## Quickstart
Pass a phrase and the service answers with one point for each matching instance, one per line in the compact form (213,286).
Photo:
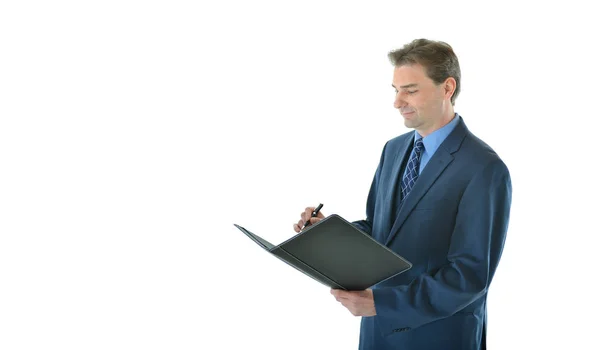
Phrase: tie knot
(419,146)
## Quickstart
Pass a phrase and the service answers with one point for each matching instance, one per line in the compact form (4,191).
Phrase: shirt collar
(433,141)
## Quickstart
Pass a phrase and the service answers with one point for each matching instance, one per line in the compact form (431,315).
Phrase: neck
(437,124)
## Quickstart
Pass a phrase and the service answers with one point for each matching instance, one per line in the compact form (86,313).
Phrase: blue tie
(412,169)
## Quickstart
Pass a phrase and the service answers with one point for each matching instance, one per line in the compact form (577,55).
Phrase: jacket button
(401,329)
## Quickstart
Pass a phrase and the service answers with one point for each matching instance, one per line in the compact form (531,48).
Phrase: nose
(399,102)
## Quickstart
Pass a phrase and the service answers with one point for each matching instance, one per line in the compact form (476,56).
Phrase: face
(423,104)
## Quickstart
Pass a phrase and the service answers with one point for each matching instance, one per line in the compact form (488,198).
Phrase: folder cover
(337,254)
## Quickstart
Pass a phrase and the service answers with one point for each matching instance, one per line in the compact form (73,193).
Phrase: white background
(134,134)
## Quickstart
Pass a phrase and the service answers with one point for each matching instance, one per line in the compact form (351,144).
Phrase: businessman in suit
(440,198)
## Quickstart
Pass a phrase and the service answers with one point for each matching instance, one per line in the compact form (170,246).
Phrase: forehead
(410,74)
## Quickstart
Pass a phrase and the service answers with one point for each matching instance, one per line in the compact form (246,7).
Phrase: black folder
(337,254)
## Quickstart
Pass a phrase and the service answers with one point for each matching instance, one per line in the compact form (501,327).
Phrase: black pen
(314,213)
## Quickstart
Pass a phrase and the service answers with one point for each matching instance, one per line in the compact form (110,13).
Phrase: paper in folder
(338,254)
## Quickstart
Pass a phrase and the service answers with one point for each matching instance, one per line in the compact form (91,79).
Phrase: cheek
(429,104)
(420,104)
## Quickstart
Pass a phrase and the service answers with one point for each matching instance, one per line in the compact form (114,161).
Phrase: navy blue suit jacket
(452,227)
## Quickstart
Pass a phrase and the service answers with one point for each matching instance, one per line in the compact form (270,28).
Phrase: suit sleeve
(475,249)
(367,224)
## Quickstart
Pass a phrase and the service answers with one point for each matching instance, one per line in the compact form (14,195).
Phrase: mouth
(404,114)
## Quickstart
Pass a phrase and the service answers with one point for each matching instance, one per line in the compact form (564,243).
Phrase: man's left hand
(359,303)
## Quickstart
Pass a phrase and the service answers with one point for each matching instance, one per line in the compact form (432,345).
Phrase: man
(440,198)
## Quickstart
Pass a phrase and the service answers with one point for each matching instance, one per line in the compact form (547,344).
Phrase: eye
(412,92)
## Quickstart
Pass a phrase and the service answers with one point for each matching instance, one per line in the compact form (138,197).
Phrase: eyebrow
(406,86)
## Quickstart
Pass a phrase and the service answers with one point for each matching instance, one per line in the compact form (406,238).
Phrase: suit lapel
(432,171)
(401,153)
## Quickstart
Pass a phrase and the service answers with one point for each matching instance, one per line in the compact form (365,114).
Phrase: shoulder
(480,157)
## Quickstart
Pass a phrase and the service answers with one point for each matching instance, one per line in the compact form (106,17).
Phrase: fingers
(341,294)
(347,300)
(301,223)
(344,301)
(348,303)
(307,213)
(298,226)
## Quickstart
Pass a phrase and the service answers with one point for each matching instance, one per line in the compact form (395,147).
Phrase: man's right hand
(305,215)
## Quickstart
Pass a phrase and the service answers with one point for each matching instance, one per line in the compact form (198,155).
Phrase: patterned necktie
(412,169)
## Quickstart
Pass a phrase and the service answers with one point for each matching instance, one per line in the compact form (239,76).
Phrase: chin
(410,123)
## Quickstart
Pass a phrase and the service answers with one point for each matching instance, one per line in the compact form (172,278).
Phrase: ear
(449,87)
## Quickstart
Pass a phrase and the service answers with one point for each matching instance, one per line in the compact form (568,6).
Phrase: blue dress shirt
(433,141)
